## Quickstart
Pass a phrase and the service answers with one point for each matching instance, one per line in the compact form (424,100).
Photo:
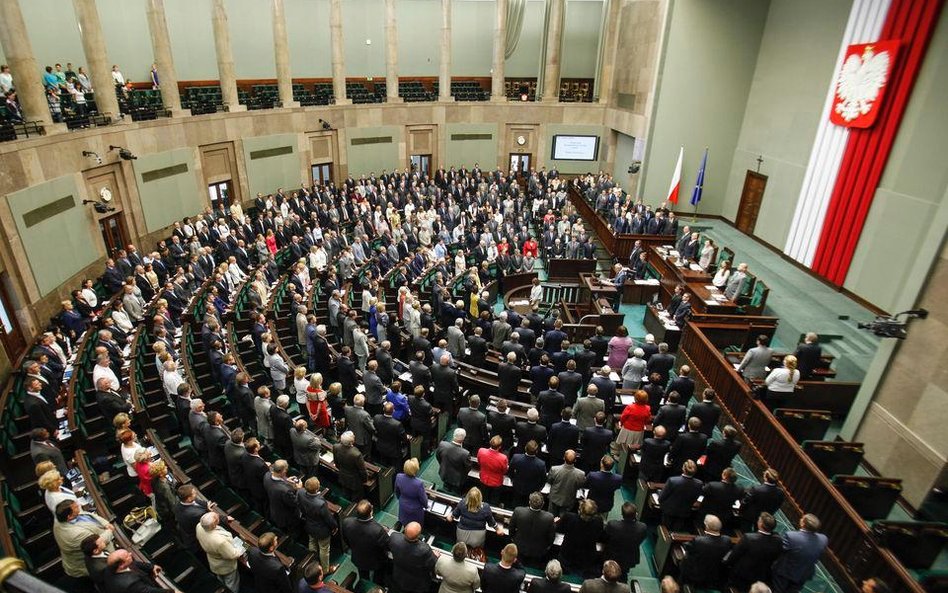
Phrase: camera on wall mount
(93,155)
(102,205)
(635,167)
(325,124)
(124,153)
(893,327)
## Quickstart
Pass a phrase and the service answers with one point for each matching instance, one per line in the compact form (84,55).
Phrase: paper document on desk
(405,377)
(695,267)
(654,498)
(627,400)
(711,287)
(326,456)
(558,539)
(519,303)
(614,376)
(360,388)
(439,508)
(710,302)
(60,413)
(239,546)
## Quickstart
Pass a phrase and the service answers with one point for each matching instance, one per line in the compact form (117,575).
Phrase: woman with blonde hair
(316,403)
(51,483)
(781,382)
(143,469)
(474,516)
(410,491)
(164,496)
(300,384)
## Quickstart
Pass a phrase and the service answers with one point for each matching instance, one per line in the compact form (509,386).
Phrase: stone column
(23,67)
(338,53)
(281,51)
(93,45)
(605,78)
(161,47)
(444,75)
(225,58)
(500,46)
(554,41)
(391,54)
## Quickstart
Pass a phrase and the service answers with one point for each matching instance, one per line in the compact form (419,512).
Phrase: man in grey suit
(756,360)
(359,421)
(306,447)
(735,284)
(71,527)
(500,331)
(533,530)
(457,343)
(301,324)
(801,551)
(565,480)
(42,449)
(454,461)
(374,389)
(608,582)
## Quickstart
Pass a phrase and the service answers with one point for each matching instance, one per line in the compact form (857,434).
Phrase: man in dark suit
(704,556)
(683,384)
(187,515)
(41,412)
(550,403)
(412,560)
(599,344)
(570,383)
(123,574)
(374,389)
(562,435)
(721,453)
(478,347)
(622,539)
(502,424)
(474,423)
(505,576)
(719,498)
(234,452)
(281,494)
(391,437)
(368,543)
(540,375)
(527,472)
(801,551)
(454,461)
(608,582)
(530,430)
(282,423)
(596,440)
(347,373)
(661,363)
(766,497)
(242,397)
(420,373)
(752,558)
(672,415)
(678,496)
(689,446)
(654,449)
(606,387)
(43,449)
(253,469)
(110,402)
(533,530)
(444,379)
(508,377)
(602,486)
(350,465)
(268,572)
(214,439)
(707,411)
(808,355)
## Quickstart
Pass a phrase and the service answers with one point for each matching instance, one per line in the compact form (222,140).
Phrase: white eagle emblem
(859,82)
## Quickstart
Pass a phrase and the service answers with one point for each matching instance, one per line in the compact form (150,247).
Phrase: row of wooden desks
(705,297)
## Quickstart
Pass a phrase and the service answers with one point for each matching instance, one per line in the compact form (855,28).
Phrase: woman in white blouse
(723,273)
(130,446)
(707,253)
(52,483)
(300,383)
(88,294)
(121,318)
(781,382)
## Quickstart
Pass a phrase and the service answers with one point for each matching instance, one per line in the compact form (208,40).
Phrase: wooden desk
(655,325)
(703,299)
(595,289)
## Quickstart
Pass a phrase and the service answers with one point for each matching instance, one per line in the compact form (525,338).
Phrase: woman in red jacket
(530,247)
(633,420)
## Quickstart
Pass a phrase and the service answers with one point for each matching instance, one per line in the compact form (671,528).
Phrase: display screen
(575,148)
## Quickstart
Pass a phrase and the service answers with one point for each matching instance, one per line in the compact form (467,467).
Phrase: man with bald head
(124,574)
(412,559)
(565,480)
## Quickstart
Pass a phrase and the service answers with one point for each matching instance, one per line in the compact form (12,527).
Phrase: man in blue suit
(801,551)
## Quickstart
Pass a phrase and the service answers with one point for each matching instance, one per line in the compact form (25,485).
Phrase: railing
(853,554)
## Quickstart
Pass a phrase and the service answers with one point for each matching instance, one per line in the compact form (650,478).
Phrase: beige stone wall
(638,49)
(33,161)
(904,426)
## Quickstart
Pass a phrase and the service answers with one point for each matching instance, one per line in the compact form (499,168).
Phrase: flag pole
(699,186)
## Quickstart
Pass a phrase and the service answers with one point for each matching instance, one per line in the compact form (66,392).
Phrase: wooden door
(11,336)
(751,197)
(114,233)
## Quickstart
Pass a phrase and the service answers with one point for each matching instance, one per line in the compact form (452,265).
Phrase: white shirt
(171,380)
(118,78)
(100,372)
(128,456)
(6,82)
(780,380)
(91,297)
